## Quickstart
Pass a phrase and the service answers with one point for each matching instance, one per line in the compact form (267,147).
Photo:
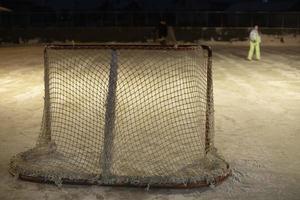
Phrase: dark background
(134,20)
(147,5)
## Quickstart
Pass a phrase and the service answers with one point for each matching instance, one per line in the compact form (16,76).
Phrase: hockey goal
(137,115)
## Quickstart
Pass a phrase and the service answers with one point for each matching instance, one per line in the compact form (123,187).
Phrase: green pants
(254,46)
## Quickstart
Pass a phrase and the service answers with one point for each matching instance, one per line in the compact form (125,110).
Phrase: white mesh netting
(138,115)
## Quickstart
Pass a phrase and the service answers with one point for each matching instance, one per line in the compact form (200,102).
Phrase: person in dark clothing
(162,32)
(162,29)
(165,34)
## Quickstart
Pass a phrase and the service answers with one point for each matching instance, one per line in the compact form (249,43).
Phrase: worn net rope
(125,116)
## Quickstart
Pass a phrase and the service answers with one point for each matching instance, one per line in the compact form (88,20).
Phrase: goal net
(126,115)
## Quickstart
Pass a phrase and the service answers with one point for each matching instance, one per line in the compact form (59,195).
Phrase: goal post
(138,115)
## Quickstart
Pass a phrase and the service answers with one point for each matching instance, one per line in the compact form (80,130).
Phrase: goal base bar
(197,184)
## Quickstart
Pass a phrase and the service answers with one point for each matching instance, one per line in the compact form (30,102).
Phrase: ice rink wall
(130,34)
(121,26)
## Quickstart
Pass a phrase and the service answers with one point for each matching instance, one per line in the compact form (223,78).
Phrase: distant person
(255,41)
(165,34)
(162,32)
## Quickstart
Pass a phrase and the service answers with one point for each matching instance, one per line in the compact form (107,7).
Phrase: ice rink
(257,123)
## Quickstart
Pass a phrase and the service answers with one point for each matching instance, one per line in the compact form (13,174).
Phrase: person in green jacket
(255,41)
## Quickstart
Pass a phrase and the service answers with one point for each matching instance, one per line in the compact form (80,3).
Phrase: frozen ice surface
(257,111)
